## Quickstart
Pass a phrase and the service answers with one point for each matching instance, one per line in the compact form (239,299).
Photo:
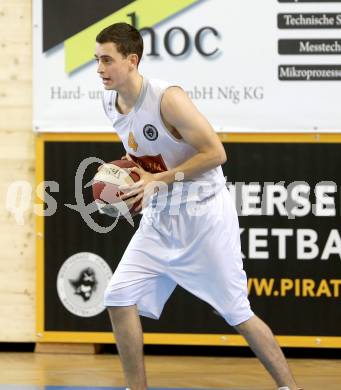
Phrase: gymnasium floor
(13,387)
(33,371)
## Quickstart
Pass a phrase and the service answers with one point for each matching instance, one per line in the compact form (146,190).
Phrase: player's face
(113,67)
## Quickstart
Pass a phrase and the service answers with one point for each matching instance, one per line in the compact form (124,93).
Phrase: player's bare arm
(179,113)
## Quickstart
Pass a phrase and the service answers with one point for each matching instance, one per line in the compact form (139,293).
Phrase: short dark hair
(126,37)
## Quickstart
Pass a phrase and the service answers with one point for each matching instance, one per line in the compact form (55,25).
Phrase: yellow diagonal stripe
(79,49)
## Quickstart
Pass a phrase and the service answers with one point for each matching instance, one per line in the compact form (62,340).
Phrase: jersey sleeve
(107,99)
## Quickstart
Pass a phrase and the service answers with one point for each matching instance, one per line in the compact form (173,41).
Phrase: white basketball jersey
(150,144)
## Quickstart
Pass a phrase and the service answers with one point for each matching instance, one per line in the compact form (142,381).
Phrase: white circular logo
(81,282)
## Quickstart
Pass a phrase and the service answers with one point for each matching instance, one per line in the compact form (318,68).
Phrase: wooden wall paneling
(17,162)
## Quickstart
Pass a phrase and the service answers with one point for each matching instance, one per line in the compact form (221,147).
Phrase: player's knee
(114,296)
(243,326)
(238,313)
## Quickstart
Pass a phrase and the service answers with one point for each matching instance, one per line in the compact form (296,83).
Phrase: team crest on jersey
(150,132)
(132,143)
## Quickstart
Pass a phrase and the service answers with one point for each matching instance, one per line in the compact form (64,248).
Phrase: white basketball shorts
(198,249)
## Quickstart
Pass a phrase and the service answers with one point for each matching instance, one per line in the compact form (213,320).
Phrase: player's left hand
(142,190)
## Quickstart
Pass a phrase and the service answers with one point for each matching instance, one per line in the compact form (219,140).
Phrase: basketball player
(164,133)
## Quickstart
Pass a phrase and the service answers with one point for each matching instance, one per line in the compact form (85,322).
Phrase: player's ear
(134,60)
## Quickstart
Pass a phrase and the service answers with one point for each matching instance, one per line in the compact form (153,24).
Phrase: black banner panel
(288,199)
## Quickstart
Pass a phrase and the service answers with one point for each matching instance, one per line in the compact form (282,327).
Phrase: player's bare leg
(262,341)
(129,338)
